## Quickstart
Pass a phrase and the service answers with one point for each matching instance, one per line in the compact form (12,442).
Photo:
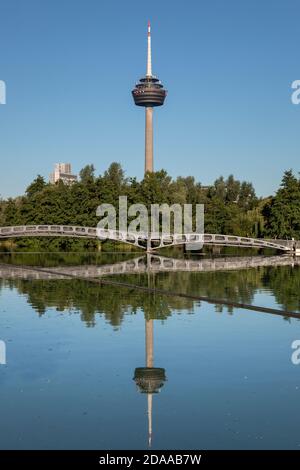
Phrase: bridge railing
(140,239)
(38,230)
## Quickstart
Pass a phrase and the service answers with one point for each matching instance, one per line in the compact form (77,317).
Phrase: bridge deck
(142,240)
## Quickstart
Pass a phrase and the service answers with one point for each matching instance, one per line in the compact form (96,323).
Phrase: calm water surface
(221,378)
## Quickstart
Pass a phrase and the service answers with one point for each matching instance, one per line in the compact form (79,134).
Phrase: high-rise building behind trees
(63,172)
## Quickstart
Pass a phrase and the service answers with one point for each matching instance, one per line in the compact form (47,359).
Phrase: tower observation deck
(149,92)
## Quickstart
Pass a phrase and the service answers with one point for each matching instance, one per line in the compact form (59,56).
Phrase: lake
(91,366)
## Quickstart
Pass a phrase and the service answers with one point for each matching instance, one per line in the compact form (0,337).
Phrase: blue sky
(69,67)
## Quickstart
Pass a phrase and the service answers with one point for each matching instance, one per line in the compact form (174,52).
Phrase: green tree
(87,174)
(36,186)
(283,211)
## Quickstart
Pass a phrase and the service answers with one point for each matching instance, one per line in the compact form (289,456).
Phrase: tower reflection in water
(149,379)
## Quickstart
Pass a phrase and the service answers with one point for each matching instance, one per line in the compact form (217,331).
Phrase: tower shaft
(149,343)
(149,139)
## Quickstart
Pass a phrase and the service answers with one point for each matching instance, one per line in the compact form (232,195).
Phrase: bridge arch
(142,240)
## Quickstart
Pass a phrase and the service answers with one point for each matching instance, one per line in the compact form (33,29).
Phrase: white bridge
(146,241)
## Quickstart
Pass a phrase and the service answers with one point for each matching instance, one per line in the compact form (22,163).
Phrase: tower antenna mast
(149,93)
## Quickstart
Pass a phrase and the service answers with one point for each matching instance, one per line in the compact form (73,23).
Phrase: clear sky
(70,65)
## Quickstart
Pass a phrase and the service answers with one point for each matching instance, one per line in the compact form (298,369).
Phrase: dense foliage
(231,206)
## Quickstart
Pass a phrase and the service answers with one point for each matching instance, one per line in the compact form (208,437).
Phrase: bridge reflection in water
(147,263)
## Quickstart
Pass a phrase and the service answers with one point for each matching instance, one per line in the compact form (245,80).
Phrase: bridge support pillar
(149,248)
(296,247)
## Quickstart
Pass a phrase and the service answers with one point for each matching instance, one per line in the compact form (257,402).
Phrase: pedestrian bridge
(143,240)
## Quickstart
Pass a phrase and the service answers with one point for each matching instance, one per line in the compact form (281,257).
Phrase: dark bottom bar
(133,459)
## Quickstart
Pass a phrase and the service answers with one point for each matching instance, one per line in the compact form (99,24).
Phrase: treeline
(231,206)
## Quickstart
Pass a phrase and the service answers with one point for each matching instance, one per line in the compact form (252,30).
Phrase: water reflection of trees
(285,284)
(42,259)
(89,299)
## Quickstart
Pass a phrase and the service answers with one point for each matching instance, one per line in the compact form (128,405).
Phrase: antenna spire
(149,419)
(149,61)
